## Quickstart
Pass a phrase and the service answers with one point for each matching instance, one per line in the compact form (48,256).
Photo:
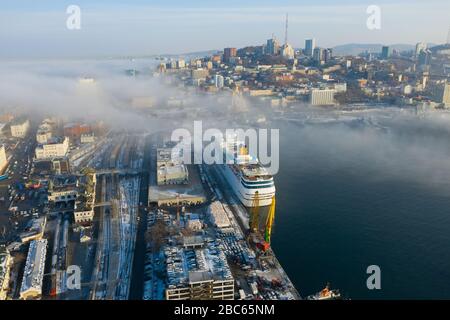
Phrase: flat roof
(185,266)
(34,267)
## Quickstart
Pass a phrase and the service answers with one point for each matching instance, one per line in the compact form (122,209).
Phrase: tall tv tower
(448,36)
(286,31)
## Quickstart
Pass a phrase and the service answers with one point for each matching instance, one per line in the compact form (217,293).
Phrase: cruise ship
(247,177)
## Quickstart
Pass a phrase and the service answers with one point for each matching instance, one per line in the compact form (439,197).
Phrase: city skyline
(153,27)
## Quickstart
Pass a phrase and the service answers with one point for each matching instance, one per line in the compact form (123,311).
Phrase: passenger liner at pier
(246,176)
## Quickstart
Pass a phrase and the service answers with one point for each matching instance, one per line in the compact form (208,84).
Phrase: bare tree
(156,235)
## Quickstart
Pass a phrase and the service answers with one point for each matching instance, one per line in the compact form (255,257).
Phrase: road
(20,152)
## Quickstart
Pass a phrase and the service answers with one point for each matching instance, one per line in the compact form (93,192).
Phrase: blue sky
(31,28)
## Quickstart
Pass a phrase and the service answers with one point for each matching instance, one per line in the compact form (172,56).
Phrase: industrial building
(54,148)
(19,128)
(33,274)
(5,268)
(196,274)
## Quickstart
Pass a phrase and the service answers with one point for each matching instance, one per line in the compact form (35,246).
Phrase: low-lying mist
(54,88)
(394,144)
(402,147)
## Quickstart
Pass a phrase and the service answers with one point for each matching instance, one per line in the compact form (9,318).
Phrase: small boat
(326,294)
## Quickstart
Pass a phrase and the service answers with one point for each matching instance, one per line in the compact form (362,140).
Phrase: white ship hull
(266,190)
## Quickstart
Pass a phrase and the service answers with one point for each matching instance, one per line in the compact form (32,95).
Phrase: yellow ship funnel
(243,151)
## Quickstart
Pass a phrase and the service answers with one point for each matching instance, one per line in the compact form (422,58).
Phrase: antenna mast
(448,36)
(286,31)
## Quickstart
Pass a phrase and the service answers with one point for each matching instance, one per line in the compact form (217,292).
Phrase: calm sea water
(348,198)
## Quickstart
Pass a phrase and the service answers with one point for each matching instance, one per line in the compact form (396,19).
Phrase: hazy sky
(35,29)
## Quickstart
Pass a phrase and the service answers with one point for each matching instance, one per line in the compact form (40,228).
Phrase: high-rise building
(385,52)
(287,51)
(181,64)
(318,54)
(310,45)
(327,54)
(421,46)
(441,92)
(272,47)
(228,53)
(424,58)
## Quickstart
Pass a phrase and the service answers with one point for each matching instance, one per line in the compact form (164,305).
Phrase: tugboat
(326,294)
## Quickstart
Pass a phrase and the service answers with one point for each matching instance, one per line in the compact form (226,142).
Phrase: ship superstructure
(246,175)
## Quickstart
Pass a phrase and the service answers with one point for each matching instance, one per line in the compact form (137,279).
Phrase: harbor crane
(254,213)
(269,221)
(255,217)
